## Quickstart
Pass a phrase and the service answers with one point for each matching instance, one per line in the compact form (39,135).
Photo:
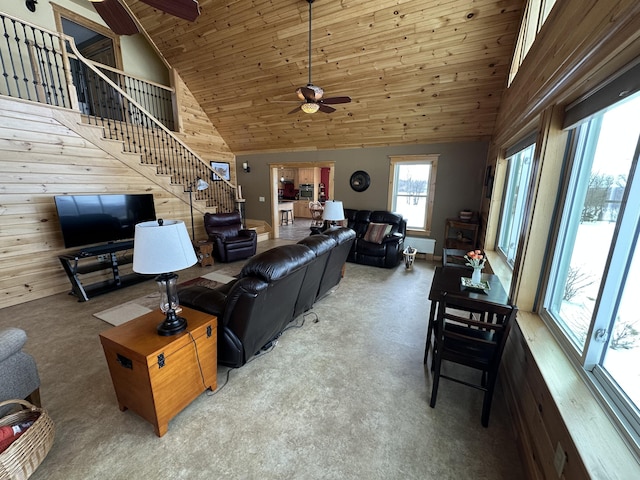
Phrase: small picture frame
(222,169)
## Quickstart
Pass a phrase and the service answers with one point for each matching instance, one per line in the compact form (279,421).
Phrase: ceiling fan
(311,95)
(118,17)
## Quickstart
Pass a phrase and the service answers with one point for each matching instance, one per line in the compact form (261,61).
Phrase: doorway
(94,41)
(306,173)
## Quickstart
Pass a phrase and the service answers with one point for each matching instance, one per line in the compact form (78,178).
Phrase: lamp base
(172,324)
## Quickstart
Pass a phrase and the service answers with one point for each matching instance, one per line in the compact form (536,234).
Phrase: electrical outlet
(261,199)
(559,459)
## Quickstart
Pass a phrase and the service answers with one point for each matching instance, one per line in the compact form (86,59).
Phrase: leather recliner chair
(387,253)
(231,242)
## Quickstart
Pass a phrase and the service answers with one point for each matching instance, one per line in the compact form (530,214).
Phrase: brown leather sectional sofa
(272,289)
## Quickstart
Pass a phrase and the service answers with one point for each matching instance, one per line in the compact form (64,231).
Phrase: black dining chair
(451,257)
(476,341)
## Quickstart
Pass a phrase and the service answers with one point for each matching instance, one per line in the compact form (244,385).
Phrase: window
(413,189)
(535,14)
(595,267)
(519,168)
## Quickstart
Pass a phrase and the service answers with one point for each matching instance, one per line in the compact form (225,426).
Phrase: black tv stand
(85,261)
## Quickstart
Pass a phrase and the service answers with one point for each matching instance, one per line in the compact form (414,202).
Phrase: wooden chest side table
(156,376)
(204,252)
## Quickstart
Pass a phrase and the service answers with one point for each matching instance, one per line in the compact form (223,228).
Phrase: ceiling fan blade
(326,108)
(297,109)
(308,94)
(116,17)
(336,100)
(186,9)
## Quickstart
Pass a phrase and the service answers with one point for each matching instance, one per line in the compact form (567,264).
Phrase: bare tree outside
(597,199)
(577,280)
(625,335)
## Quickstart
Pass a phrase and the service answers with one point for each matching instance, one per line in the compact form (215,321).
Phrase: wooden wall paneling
(417,72)
(42,153)
(562,59)
(541,426)
(542,402)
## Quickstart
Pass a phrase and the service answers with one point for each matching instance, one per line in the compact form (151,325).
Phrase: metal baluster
(5,74)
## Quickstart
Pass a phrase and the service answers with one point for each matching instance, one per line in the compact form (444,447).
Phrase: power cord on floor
(263,351)
(211,393)
(195,345)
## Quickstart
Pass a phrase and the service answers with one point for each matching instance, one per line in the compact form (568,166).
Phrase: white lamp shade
(201,185)
(333,211)
(162,249)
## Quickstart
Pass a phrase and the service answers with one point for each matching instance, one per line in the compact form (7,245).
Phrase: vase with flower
(475,259)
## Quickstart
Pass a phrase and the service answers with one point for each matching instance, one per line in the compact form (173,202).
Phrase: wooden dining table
(448,280)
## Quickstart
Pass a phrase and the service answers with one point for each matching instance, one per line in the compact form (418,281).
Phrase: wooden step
(261,227)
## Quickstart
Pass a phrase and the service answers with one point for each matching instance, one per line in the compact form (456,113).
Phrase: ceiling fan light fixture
(309,107)
(317,92)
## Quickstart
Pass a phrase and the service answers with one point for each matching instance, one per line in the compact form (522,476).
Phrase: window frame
(534,16)
(527,183)
(590,359)
(426,159)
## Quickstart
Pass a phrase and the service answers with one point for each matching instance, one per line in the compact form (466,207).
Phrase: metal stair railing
(157,99)
(126,120)
(37,67)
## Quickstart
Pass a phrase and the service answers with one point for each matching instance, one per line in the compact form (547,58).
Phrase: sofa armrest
(11,342)
(393,238)
(247,232)
(205,299)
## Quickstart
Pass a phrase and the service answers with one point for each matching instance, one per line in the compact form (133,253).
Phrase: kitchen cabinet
(301,209)
(288,174)
(307,175)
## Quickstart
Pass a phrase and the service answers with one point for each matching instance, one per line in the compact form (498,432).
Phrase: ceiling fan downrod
(310,2)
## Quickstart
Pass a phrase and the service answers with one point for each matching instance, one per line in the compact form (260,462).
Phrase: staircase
(36,67)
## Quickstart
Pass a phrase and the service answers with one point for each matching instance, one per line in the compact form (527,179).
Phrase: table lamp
(160,247)
(333,212)
(199,185)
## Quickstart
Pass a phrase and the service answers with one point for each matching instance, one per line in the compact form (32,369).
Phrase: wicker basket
(24,455)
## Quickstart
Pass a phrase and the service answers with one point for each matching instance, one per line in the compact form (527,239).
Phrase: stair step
(263,230)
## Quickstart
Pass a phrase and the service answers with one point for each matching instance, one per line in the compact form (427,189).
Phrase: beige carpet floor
(344,396)
(124,312)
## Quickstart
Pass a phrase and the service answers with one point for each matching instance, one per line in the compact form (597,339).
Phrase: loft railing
(155,98)
(35,66)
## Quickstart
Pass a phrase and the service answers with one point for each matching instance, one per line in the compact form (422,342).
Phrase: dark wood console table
(87,261)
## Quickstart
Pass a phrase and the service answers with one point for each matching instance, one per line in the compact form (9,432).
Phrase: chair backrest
(225,224)
(358,220)
(321,246)
(262,302)
(316,209)
(344,238)
(476,339)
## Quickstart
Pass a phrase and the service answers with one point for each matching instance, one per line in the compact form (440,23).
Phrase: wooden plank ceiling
(418,71)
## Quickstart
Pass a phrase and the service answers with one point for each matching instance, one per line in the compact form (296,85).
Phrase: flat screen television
(90,219)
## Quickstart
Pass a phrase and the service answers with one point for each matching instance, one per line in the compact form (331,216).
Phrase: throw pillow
(376,232)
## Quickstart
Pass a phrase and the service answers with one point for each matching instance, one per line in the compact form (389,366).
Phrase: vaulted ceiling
(418,71)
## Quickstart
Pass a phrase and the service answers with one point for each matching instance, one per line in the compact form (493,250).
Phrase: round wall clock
(360,181)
